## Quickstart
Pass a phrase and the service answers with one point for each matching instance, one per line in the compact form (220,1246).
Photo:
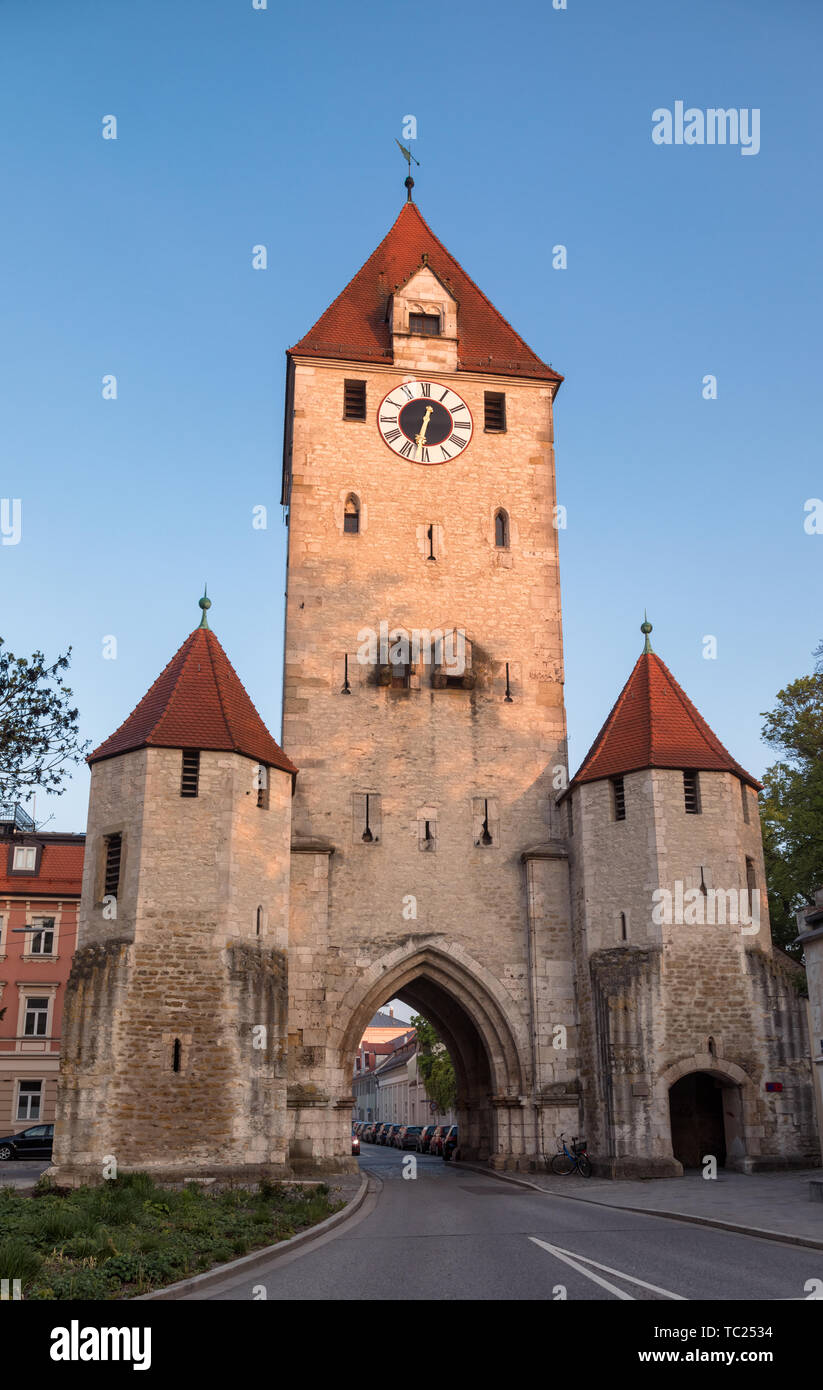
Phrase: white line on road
(569,1258)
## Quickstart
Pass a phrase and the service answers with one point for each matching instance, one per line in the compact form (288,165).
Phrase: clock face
(425,421)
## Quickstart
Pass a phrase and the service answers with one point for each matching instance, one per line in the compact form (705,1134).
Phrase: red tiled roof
(61,869)
(654,724)
(355,327)
(198,701)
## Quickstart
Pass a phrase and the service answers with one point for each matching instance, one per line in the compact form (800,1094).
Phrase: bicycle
(566,1160)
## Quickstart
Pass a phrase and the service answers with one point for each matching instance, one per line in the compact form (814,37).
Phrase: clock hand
(421,437)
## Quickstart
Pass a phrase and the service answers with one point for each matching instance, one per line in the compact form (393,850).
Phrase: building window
(570,814)
(366,818)
(501,529)
(259,920)
(29,1098)
(744,794)
(351,515)
(175,1055)
(427,324)
(751,881)
(190,774)
(495,403)
(354,400)
(691,793)
(42,940)
(35,1021)
(262,779)
(111,874)
(25,859)
(427,833)
(624,930)
(618,799)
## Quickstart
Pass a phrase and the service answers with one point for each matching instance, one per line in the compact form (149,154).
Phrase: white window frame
(29,1096)
(46,1033)
(27,851)
(40,933)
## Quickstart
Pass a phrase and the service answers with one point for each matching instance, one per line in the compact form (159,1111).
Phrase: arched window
(501,529)
(259,920)
(351,515)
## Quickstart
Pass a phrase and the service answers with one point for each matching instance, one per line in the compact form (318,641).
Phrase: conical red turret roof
(198,701)
(355,327)
(654,724)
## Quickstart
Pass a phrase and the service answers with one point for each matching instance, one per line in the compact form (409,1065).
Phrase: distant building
(40,879)
(389,1088)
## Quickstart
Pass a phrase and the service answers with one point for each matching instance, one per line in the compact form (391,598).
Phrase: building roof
(654,724)
(355,326)
(60,870)
(198,701)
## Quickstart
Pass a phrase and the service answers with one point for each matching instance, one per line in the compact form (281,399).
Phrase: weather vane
(408,156)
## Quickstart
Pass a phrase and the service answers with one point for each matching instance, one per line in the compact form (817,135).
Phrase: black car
(35,1142)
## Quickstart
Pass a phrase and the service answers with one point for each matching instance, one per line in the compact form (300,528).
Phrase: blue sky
(238,127)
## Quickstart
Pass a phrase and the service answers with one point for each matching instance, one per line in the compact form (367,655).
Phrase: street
(452,1233)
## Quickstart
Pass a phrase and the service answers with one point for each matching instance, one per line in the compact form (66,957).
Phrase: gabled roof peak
(354,327)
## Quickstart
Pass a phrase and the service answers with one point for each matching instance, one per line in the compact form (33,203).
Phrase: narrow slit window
(618,798)
(570,813)
(351,516)
(751,881)
(354,400)
(501,529)
(495,411)
(624,932)
(691,793)
(190,774)
(175,1055)
(259,920)
(263,787)
(744,796)
(427,324)
(111,873)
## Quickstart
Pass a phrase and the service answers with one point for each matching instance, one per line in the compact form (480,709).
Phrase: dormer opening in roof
(423,322)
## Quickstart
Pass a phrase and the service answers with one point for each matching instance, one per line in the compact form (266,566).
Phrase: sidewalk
(773,1204)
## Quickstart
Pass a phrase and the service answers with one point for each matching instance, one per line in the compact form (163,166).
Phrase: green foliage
(38,725)
(791,809)
(436,1066)
(129,1236)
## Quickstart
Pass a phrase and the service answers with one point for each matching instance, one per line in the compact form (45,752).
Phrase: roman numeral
(391,435)
(425,389)
(456,408)
(396,404)
(425,453)
(444,451)
(407,391)
(455,439)
(445,394)
(462,425)
(406,450)
(389,419)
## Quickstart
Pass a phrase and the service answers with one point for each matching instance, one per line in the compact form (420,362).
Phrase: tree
(38,725)
(435,1065)
(791,809)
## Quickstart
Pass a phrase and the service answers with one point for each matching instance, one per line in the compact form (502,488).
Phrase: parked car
(355,1144)
(450,1143)
(391,1140)
(35,1142)
(408,1136)
(436,1144)
(383,1133)
(424,1138)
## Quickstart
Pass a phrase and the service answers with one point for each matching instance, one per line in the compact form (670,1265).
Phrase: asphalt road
(21,1173)
(449,1233)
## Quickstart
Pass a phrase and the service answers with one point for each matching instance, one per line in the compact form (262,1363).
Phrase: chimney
(391,1011)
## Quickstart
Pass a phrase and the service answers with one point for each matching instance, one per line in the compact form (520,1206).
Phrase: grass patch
(129,1236)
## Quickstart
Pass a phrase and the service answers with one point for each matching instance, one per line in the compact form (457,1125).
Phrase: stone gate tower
(173,1054)
(423,702)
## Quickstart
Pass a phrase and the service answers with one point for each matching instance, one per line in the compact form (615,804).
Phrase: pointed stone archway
(478,1024)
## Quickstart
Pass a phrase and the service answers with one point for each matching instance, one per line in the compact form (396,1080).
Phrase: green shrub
(19,1259)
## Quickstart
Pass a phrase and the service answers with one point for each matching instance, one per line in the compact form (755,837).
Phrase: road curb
(247,1263)
(807,1242)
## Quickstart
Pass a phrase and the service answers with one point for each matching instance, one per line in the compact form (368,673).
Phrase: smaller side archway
(710,1107)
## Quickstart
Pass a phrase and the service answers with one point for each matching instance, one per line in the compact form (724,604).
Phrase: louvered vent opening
(190,775)
(619,798)
(114,849)
(691,794)
(495,411)
(263,787)
(354,400)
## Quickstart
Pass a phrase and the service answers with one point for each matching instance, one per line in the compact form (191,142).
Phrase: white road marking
(569,1258)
